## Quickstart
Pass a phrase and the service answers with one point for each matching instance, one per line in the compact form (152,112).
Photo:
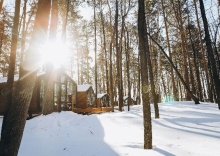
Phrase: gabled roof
(125,97)
(83,88)
(99,96)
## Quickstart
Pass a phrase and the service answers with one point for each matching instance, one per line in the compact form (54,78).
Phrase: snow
(184,129)
(101,95)
(83,88)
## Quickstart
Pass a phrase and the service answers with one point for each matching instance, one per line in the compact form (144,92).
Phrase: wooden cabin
(67,85)
(85,101)
(115,101)
(85,96)
(136,100)
(3,93)
(125,100)
(68,93)
(103,100)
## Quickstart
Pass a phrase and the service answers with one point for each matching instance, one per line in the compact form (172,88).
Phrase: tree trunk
(110,62)
(197,70)
(14,123)
(210,53)
(23,38)
(12,59)
(47,106)
(95,49)
(151,76)
(170,54)
(142,30)
(1,3)
(106,59)
(128,69)
(119,72)
(204,62)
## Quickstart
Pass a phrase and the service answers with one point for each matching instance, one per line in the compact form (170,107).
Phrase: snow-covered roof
(101,95)
(125,97)
(83,88)
(4,79)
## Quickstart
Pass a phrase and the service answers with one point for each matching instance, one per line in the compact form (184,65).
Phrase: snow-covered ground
(184,129)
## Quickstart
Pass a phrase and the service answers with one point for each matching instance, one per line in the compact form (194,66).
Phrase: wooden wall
(81,100)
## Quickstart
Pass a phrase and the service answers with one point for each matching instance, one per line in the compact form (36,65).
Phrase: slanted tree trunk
(210,54)
(195,99)
(143,43)
(14,123)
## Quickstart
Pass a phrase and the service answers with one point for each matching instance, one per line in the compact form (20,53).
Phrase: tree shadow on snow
(161,151)
(65,136)
(190,129)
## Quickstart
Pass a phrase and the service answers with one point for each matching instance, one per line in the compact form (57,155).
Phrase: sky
(184,129)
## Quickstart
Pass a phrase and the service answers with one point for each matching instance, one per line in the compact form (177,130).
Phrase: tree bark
(106,59)
(1,3)
(128,68)
(95,49)
(110,62)
(119,72)
(142,30)
(23,39)
(12,60)
(47,104)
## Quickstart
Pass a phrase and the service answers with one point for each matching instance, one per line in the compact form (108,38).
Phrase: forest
(166,50)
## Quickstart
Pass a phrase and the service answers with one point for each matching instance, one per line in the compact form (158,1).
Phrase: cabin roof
(99,96)
(83,88)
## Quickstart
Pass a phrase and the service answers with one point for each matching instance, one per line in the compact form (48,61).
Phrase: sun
(55,53)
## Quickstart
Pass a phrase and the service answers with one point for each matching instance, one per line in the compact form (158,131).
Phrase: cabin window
(63,93)
(69,88)
(55,92)
(41,91)
(63,79)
